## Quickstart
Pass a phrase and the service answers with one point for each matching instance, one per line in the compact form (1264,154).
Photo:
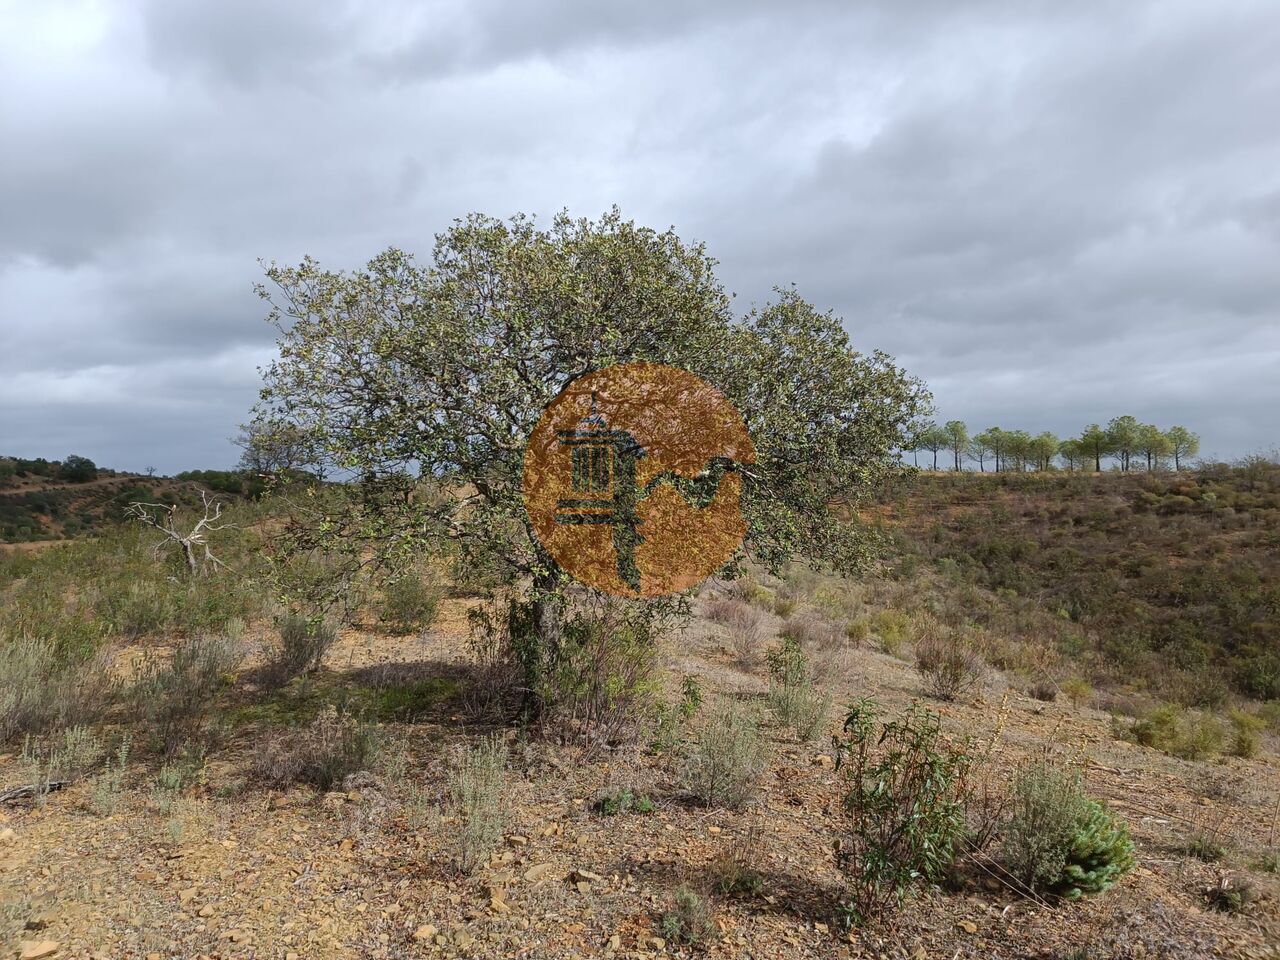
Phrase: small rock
(516,840)
(7,837)
(36,949)
(537,872)
(968,926)
(206,910)
(713,830)
(425,932)
(614,943)
(657,943)
(465,940)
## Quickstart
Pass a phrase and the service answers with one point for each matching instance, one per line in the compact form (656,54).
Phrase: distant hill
(55,500)
(1168,580)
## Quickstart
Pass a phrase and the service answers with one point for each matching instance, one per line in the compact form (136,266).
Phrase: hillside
(38,503)
(215,797)
(1165,582)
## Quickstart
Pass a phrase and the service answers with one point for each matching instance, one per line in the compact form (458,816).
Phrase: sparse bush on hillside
(176,697)
(409,604)
(477,803)
(907,790)
(322,754)
(724,767)
(949,667)
(62,760)
(892,630)
(603,679)
(1058,839)
(42,687)
(303,644)
(811,630)
(1181,733)
(745,625)
(688,920)
(793,694)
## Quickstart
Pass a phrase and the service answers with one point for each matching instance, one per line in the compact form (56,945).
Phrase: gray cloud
(1052,212)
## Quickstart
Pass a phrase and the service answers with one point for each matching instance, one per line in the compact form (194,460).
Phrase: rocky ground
(228,869)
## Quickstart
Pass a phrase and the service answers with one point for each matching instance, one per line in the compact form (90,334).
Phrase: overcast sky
(1052,212)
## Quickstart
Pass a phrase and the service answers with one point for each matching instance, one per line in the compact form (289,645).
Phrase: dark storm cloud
(1052,212)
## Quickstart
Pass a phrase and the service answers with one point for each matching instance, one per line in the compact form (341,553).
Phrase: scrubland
(1044,725)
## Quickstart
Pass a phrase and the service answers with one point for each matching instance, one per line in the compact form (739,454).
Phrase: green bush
(724,768)
(623,801)
(688,920)
(905,806)
(603,680)
(1060,840)
(409,604)
(1185,734)
(793,696)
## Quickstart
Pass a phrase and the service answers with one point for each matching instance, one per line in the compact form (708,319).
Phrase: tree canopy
(418,384)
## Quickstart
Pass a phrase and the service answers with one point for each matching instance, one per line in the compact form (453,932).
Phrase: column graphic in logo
(633,479)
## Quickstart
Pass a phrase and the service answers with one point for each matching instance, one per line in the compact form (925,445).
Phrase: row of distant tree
(1124,440)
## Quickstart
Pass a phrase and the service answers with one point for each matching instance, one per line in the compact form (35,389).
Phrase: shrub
(409,604)
(784,606)
(63,760)
(1245,730)
(477,803)
(1205,845)
(323,754)
(42,686)
(809,629)
(603,678)
(303,644)
(950,669)
(1188,735)
(1060,840)
(734,873)
(176,698)
(892,628)
(905,803)
(108,786)
(623,801)
(1231,894)
(1043,690)
(792,693)
(857,631)
(1077,690)
(745,625)
(725,766)
(689,919)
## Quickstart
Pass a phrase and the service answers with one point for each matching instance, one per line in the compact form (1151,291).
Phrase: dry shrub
(745,624)
(810,630)
(689,919)
(42,687)
(323,754)
(176,697)
(303,644)
(725,766)
(477,803)
(949,667)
